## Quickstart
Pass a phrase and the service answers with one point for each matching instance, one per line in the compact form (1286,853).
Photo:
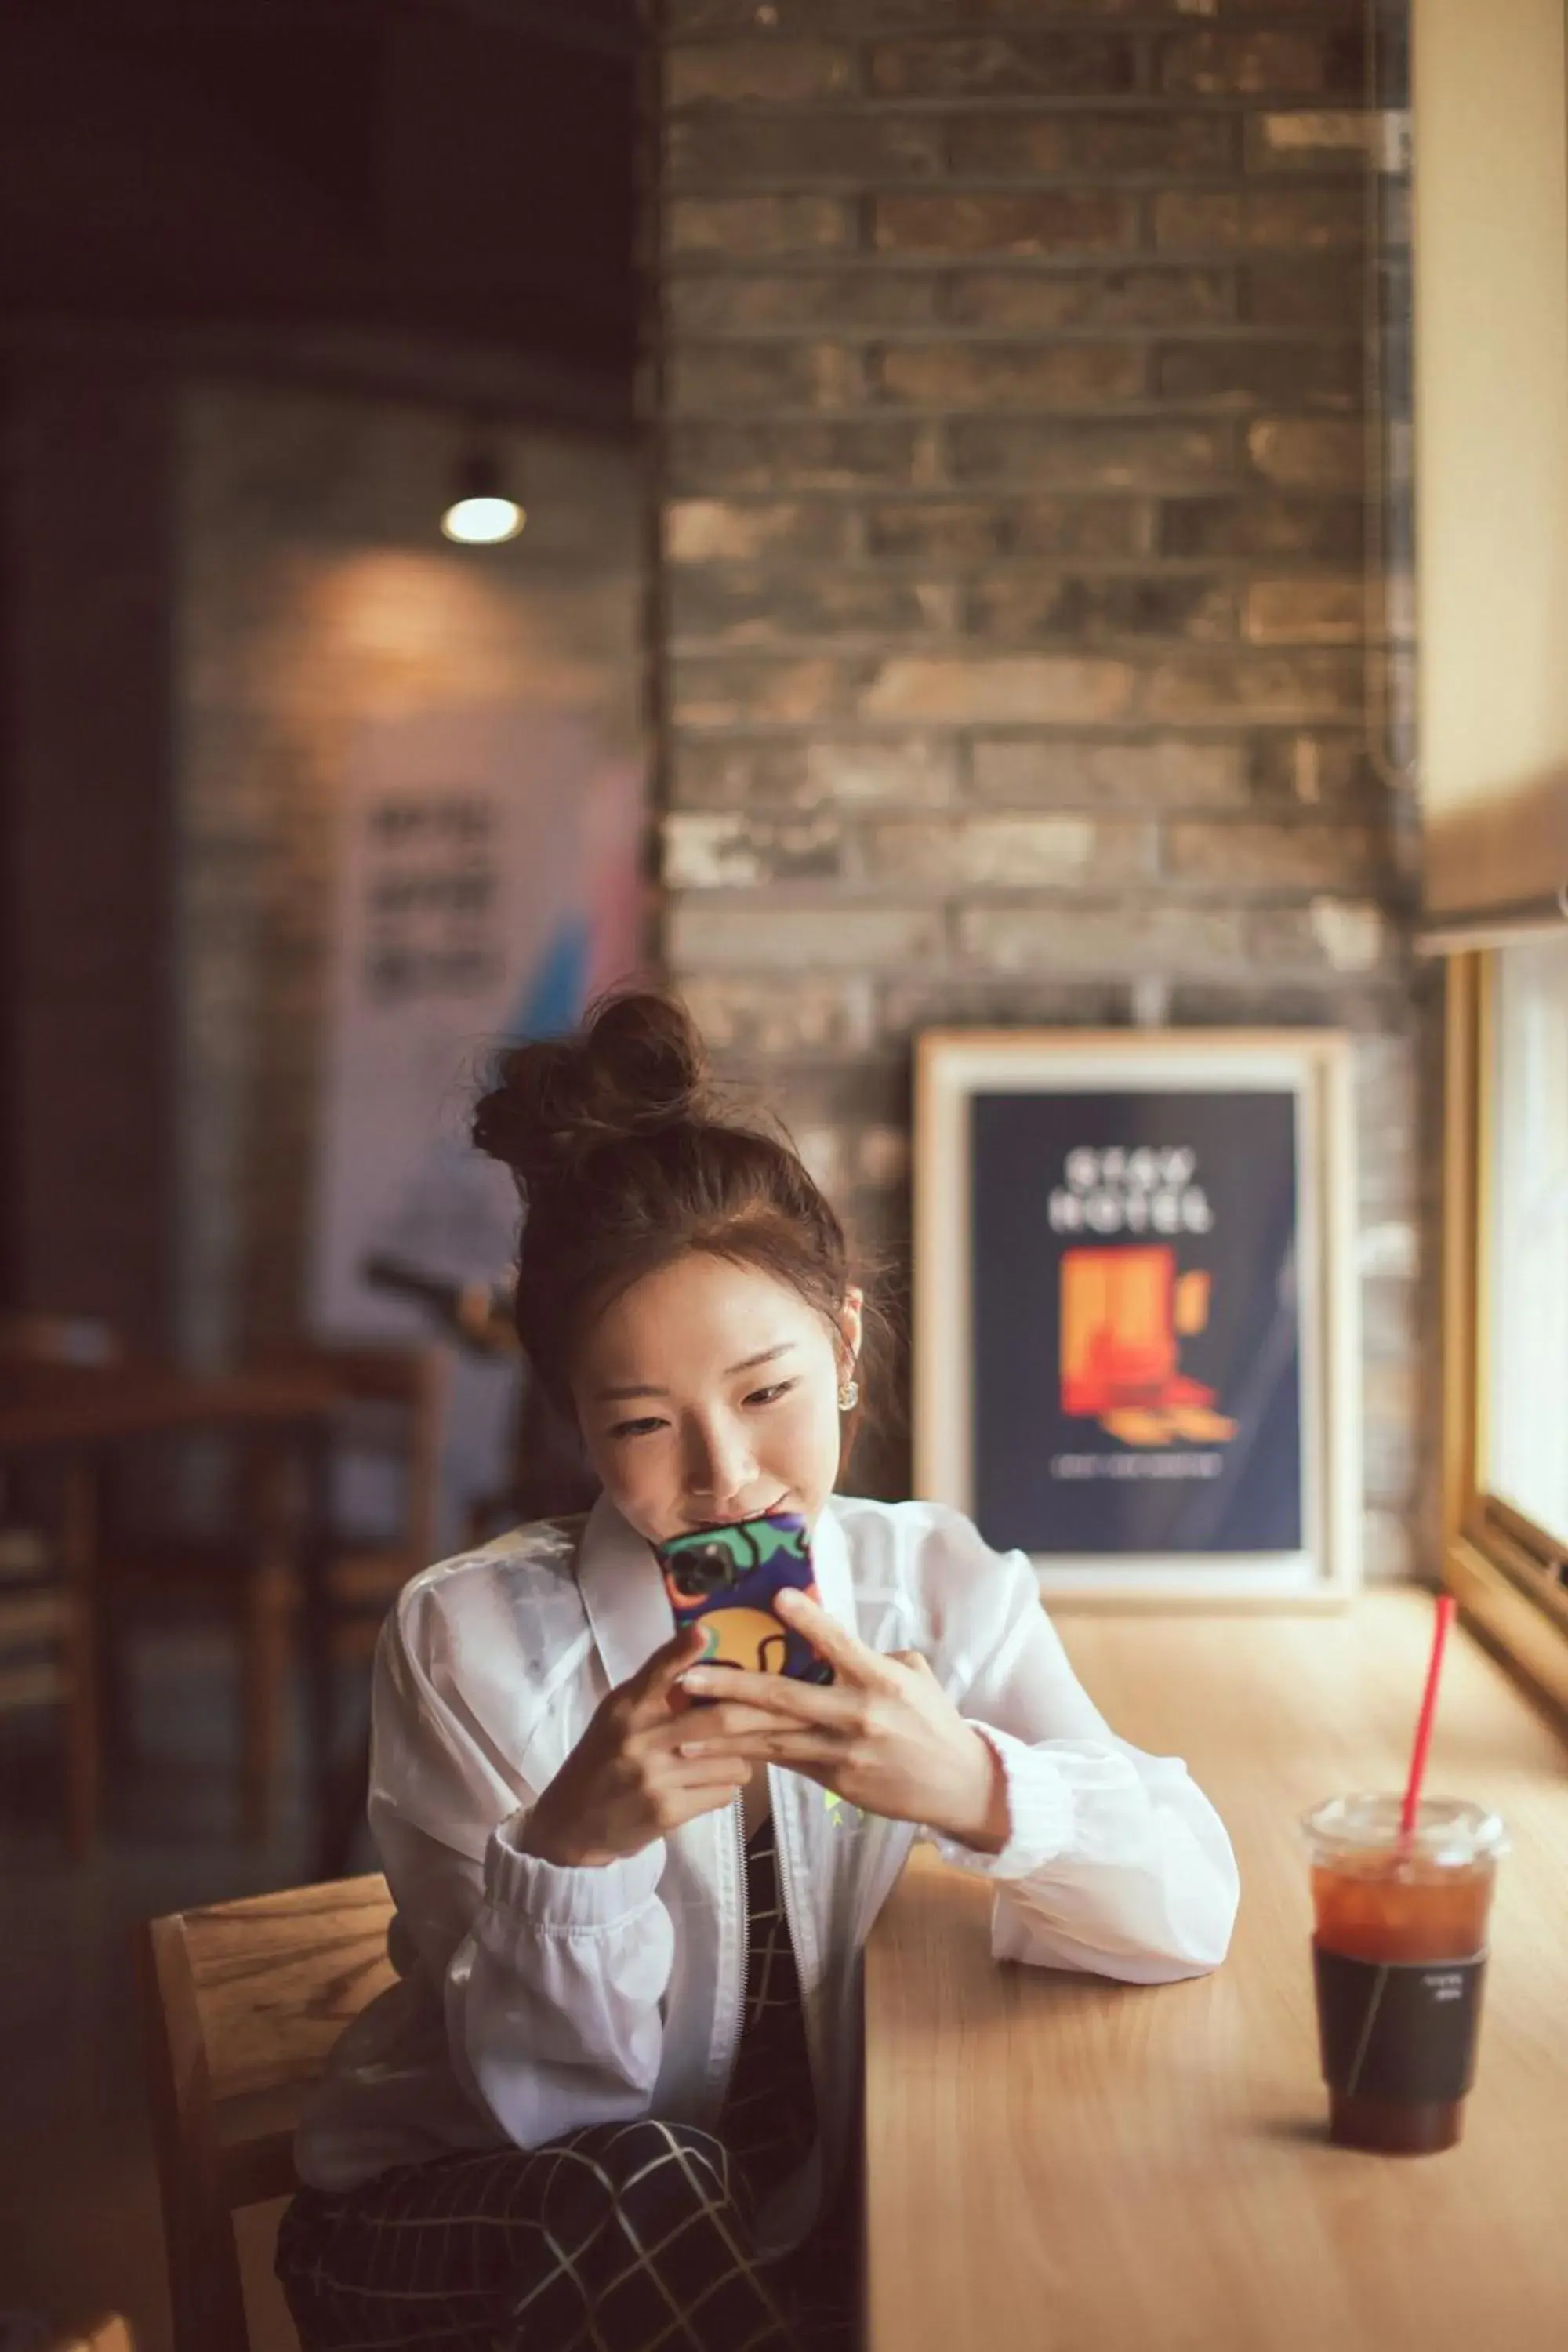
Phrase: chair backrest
(393,1400)
(242,2002)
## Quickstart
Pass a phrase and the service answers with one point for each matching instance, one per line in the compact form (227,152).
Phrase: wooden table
(81,1417)
(1065,2165)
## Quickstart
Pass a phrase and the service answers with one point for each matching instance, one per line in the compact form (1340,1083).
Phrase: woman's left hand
(883,1735)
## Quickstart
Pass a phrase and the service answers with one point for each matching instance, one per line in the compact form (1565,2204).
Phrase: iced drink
(1399,1954)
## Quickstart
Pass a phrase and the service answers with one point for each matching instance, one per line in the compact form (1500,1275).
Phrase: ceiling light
(483,511)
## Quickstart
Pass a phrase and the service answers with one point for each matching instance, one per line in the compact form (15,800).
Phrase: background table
(1074,2166)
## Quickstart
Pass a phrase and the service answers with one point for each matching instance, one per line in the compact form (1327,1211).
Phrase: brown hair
(623,1160)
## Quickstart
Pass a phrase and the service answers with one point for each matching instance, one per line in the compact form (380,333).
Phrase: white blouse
(535,1997)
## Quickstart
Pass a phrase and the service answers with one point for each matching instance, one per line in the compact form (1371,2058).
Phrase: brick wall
(313,594)
(1014,623)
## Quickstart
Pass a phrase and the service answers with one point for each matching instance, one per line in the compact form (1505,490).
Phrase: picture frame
(1136,1339)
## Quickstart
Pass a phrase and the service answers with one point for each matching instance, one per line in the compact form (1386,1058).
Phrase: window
(1505,1306)
(1525,1456)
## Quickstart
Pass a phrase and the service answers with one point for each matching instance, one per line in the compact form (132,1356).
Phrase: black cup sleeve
(1401,2030)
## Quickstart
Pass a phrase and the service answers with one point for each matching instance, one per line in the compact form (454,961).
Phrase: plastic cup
(1399,1954)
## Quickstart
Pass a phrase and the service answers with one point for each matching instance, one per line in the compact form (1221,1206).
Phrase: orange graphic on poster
(1123,1312)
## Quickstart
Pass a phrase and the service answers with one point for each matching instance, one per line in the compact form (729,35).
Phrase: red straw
(1429,1709)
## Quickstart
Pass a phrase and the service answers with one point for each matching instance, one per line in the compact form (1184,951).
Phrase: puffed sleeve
(550,1979)
(1115,1863)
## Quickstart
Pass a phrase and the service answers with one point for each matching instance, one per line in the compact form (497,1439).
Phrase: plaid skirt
(629,2237)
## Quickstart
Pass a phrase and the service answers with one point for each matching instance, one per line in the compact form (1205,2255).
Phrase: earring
(849,1395)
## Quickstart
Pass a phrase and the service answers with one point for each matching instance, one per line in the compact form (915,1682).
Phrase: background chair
(47,1631)
(241,2004)
(383,1479)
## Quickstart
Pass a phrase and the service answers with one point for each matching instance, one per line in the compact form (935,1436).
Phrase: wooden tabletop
(1065,2165)
(69,1407)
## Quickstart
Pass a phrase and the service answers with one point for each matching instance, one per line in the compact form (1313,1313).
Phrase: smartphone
(724,1579)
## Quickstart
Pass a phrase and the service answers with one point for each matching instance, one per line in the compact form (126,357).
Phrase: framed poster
(1136,1354)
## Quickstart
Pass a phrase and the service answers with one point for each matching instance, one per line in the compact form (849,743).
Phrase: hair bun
(637,1066)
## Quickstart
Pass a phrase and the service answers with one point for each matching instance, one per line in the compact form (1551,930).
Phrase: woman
(611,2102)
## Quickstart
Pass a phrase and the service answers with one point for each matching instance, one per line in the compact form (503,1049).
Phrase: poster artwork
(489,885)
(1137,1341)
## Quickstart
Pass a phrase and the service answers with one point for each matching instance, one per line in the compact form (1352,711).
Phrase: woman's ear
(851,1322)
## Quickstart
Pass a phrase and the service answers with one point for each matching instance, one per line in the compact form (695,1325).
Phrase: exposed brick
(1046,300)
(777,72)
(1095,717)
(1002,853)
(709,458)
(1309,770)
(1334,935)
(709,531)
(730,151)
(769,771)
(1388,1548)
(716,851)
(1271,856)
(750,772)
(1169,772)
(1263,523)
(965,999)
(1295,63)
(734,303)
(765,610)
(1264,686)
(1084,937)
(784,17)
(963,531)
(719,226)
(702,936)
(998,144)
(1241,373)
(908,770)
(1306,289)
(1289,219)
(1310,452)
(1036,221)
(1301,219)
(1157,455)
(1088,609)
(1025,687)
(743,1020)
(1310,611)
(1314,142)
(1008,375)
(1200,219)
(1056,65)
(1309,999)
(705,378)
(731,692)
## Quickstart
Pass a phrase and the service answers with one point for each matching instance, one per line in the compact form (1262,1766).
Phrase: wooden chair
(47,1527)
(391,1402)
(241,2004)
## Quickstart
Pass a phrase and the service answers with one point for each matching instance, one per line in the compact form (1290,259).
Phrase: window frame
(1505,1570)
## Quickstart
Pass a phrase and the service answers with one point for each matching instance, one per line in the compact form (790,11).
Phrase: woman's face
(709,1391)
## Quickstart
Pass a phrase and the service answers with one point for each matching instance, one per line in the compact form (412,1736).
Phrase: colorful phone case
(724,1579)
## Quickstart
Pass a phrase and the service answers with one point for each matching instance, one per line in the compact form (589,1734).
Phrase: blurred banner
(488,886)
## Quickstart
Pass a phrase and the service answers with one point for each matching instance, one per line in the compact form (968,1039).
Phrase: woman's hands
(630,1779)
(884,1735)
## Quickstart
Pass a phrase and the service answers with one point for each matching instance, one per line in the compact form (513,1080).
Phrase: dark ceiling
(455,176)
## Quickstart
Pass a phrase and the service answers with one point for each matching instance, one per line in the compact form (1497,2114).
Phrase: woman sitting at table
(612,2101)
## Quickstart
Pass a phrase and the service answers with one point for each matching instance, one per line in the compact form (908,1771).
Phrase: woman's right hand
(624,1784)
